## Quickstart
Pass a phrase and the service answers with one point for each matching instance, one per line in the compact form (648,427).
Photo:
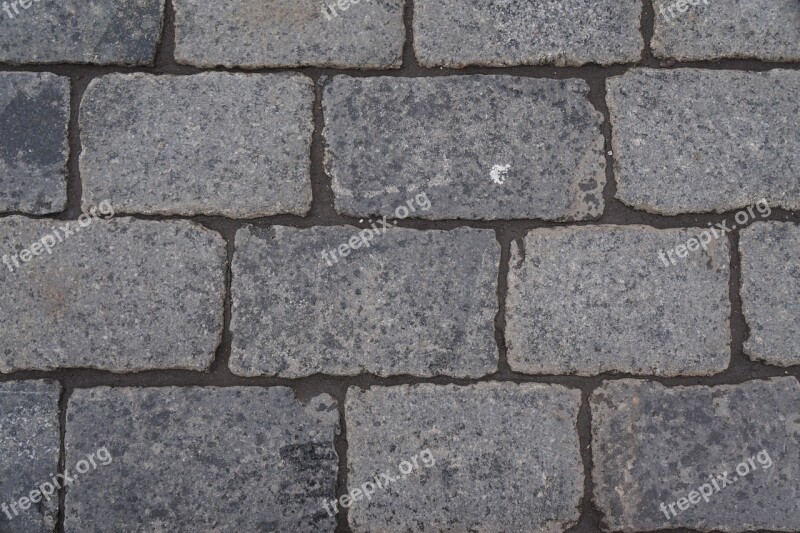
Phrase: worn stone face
(120,295)
(489,457)
(411,302)
(652,445)
(289,33)
(236,145)
(607,298)
(29,447)
(201,459)
(481,147)
(723,141)
(34,111)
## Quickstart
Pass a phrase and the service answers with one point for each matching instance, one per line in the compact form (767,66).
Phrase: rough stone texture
(507,457)
(456,33)
(723,141)
(420,303)
(202,459)
(34,110)
(29,446)
(289,33)
(653,445)
(771,291)
(101,32)
(120,295)
(596,299)
(766,30)
(237,145)
(390,138)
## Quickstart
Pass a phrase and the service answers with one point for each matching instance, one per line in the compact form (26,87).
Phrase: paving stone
(34,111)
(695,30)
(654,445)
(202,459)
(693,140)
(290,33)
(456,33)
(596,299)
(771,291)
(497,457)
(121,295)
(236,145)
(414,302)
(482,147)
(29,440)
(123,32)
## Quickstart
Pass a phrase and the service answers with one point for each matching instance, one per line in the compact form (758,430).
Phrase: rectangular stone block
(399,301)
(34,111)
(588,300)
(122,295)
(724,458)
(290,33)
(485,457)
(201,459)
(236,145)
(690,141)
(482,147)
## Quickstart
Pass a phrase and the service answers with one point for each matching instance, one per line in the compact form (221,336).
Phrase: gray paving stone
(482,147)
(652,445)
(596,299)
(34,111)
(771,291)
(123,32)
(236,145)
(497,457)
(695,30)
(121,295)
(413,302)
(202,459)
(456,33)
(289,33)
(693,140)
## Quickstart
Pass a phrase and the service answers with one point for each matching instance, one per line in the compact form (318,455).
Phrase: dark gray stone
(202,459)
(482,147)
(652,445)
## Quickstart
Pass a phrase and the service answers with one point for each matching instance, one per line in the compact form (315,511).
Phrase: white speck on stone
(499,173)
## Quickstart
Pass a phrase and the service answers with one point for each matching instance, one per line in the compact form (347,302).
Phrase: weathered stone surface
(769,31)
(120,295)
(596,299)
(654,445)
(507,457)
(693,140)
(289,33)
(237,145)
(202,459)
(123,32)
(29,446)
(414,302)
(482,147)
(34,111)
(456,33)
(771,291)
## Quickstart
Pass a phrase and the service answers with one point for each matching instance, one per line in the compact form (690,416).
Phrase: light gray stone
(481,147)
(652,445)
(690,141)
(237,145)
(289,33)
(120,295)
(596,299)
(497,457)
(413,302)
(201,459)
(34,111)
